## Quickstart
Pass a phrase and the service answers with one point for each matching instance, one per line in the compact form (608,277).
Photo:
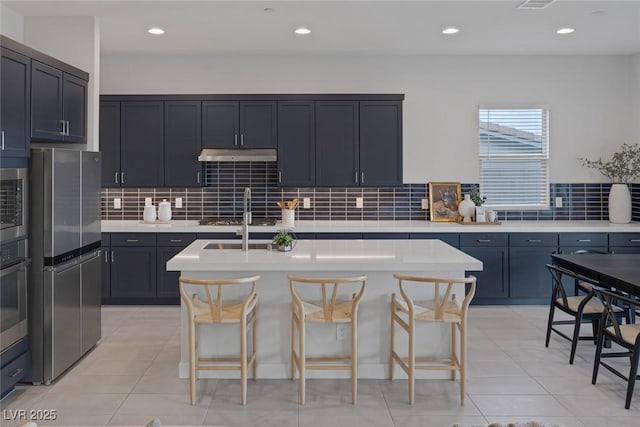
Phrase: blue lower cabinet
(493,281)
(529,277)
(167,285)
(15,363)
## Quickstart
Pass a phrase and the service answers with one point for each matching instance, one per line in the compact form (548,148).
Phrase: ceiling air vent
(535,4)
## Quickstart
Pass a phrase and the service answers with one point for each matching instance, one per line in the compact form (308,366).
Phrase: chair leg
(633,372)
(243,360)
(463,361)
(549,324)
(598,356)
(354,361)
(392,340)
(453,350)
(302,360)
(254,342)
(412,361)
(192,362)
(576,337)
(293,343)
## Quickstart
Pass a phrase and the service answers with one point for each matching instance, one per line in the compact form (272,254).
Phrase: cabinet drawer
(338,236)
(15,371)
(386,236)
(484,239)
(624,239)
(533,239)
(218,236)
(175,239)
(106,239)
(583,239)
(133,239)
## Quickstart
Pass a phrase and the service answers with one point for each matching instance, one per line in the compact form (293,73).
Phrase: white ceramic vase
(467,208)
(164,211)
(620,204)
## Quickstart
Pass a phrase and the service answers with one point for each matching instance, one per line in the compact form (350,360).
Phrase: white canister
(288,217)
(164,211)
(480,214)
(149,214)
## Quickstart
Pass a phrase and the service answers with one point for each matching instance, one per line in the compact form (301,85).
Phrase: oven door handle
(21,266)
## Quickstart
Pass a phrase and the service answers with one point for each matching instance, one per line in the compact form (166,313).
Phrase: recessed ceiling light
(302,30)
(566,30)
(450,30)
(155,31)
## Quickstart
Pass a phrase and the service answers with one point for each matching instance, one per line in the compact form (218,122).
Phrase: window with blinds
(514,157)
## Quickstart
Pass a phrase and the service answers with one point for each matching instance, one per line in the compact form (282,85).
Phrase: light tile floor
(131,377)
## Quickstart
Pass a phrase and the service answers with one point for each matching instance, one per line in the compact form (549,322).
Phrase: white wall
(588,96)
(635,85)
(76,41)
(11,24)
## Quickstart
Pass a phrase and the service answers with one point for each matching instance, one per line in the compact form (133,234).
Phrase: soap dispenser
(164,211)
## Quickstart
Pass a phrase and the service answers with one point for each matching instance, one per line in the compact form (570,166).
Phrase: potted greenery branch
(478,199)
(284,240)
(623,168)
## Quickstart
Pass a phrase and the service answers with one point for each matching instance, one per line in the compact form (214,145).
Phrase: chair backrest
(559,291)
(611,301)
(440,285)
(216,303)
(329,292)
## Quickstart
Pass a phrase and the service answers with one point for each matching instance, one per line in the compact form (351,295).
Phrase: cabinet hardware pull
(361,177)
(122,177)
(242,139)
(67,127)
(279,176)
(62,122)
(116,177)
(106,257)
(176,240)
(584,240)
(634,240)
(534,240)
(235,139)
(483,240)
(2,140)
(198,177)
(356,177)
(132,240)
(15,373)
(113,258)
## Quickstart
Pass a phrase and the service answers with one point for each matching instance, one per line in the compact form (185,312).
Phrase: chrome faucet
(246,219)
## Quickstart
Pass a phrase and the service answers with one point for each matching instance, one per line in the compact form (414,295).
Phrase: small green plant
(283,238)
(623,167)
(474,194)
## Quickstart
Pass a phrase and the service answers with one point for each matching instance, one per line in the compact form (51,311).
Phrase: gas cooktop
(236,221)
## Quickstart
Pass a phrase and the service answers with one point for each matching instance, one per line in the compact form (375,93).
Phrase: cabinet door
(15,101)
(528,276)
(492,280)
(46,102)
(296,144)
(106,271)
(74,108)
(258,124)
(141,144)
(220,124)
(337,143)
(133,272)
(182,141)
(110,143)
(168,286)
(380,143)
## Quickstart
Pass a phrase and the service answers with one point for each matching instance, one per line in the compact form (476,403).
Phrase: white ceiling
(352,27)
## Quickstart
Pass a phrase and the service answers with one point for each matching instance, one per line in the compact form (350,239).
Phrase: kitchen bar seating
(583,308)
(627,336)
(442,307)
(328,308)
(213,309)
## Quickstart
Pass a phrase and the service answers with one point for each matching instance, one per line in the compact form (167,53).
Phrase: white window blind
(514,157)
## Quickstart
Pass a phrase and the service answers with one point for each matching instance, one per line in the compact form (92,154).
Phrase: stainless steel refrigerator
(65,281)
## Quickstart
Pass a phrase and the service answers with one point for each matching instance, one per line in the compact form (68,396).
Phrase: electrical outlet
(558,202)
(306,202)
(178,202)
(341,331)
(359,202)
(147,201)
(117,203)
(424,204)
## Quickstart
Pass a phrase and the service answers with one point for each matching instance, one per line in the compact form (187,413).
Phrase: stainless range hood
(238,155)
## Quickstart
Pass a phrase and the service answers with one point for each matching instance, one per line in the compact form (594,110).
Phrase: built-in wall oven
(13,292)
(13,199)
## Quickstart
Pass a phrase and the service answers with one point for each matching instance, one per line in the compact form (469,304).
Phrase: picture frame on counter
(444,198)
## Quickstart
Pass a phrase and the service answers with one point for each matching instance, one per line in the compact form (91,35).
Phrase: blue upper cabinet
(58,105)
(239,124)
(110,143)
(15,100)
(182,143)
(296,143)
(141,144)
(337,144)
(381,143)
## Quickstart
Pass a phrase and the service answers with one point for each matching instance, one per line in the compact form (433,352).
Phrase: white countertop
(191,226)
(328,255)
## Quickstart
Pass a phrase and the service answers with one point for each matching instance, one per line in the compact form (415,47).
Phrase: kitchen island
(377,259)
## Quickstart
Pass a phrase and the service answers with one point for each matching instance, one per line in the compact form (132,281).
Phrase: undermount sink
(265,246)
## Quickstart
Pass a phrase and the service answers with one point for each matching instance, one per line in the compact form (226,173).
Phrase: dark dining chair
(583,308)
(625,335)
